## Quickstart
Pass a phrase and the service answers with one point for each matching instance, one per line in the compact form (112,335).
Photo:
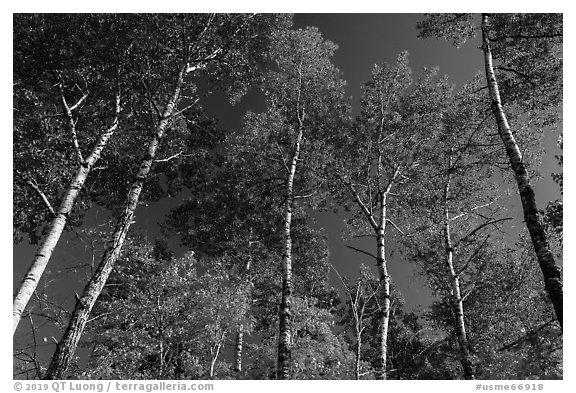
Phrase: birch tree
(528,74)
(363,305)
(182,46)
(381,157)
(65,114)
(302,94)
(461,207)
(166,318)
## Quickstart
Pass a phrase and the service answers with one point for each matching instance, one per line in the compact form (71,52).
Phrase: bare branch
(395,227)
(362,251)
(479,228)
(199,64)
(369,216)
(71,122)
(184,109)
(472,256)
(305,196)
(471,210)
(520,74)
(282,155)
(32,183)
(364,235)
(526,336)
(173,157)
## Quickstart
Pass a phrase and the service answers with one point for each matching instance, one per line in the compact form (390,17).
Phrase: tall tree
(457,203)
(304,103)
(227,48)
(528,50)
(67,88)
(381,156)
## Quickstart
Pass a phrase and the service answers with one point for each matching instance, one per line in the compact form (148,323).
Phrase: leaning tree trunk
(384,313)
(459,326)
(551,272)
(67,345)
(284,340)
(42,257)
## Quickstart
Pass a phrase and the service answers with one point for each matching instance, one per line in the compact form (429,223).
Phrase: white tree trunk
(457,304)
(67,345)
(42,256)
(284,352)
(550,271)
(384,313)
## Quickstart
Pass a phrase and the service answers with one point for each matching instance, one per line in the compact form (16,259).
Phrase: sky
(363,40)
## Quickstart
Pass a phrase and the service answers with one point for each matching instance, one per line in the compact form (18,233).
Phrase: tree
(200,42)
(380,158)
(165,318)
(457,205)
(527,47)
(60,108)
(362,303)
(304,96)
(519,336)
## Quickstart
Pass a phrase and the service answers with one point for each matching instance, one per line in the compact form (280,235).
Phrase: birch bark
(67,345)
(284,353)
(42,256)
(457,303)
(384,314)
(550,271)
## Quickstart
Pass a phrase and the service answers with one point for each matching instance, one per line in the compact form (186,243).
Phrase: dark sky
(363,40)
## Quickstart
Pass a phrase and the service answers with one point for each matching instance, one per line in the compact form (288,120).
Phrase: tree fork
(42,256)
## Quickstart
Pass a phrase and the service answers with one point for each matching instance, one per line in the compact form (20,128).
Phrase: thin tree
(527,48)
(381,158)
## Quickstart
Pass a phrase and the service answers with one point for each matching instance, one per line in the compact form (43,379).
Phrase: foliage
(165,318)
(432,152)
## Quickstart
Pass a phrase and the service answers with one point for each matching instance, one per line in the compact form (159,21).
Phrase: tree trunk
(551,272)
(284,351)
(215,356)
(238,351)
(358,354)
(384,314)
(42,257)
(459,326)
(67,345)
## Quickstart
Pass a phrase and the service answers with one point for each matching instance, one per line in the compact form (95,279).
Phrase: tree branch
(34,186)
(282,155)
(362,251)
(183,109)
(525,337)
(369,216)
(472,256)
(520,74)
(71,121)
(305,196)
(471,210)
(172,157)
(395,227)
(479,228)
